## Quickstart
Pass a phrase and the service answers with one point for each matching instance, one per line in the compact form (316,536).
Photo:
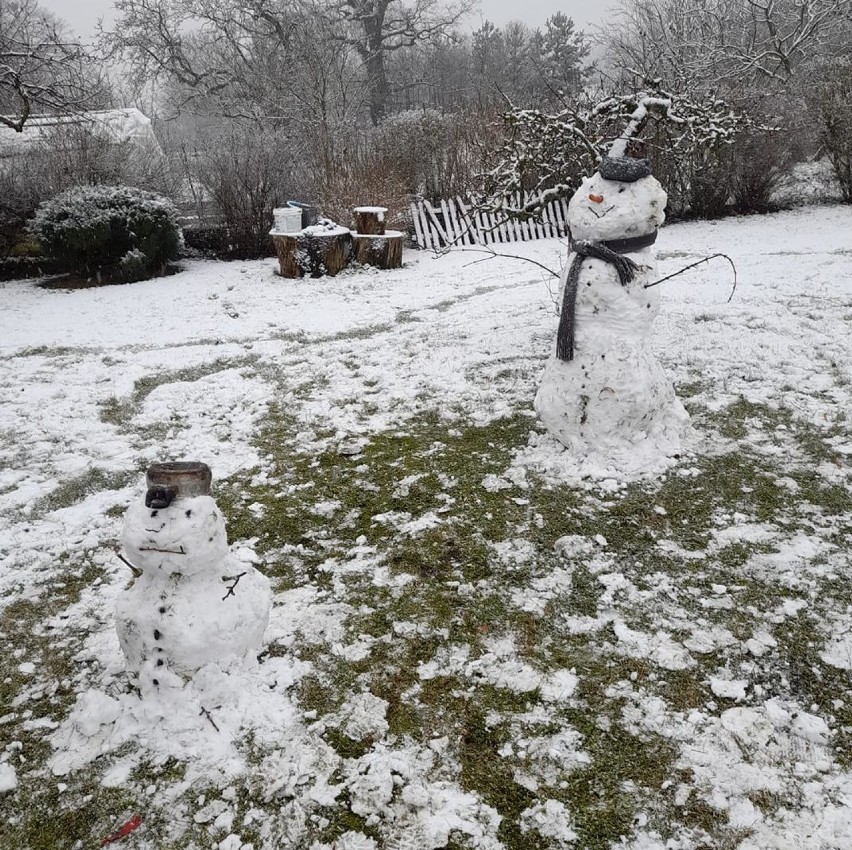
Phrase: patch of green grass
(317,694)
(50,351)
(483,770)
(397,471)
(145,773)
(342,819)
(344,746)
(687,389)
(812,681)
(632,524)
(49,820)
(778,424)
(364,332)
(832,499)
(603,808)
(36,815)
(78,488)
(119,411)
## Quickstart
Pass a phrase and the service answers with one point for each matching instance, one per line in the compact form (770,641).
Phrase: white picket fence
(456,222)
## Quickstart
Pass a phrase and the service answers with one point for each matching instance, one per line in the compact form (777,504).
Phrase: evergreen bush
(115,229)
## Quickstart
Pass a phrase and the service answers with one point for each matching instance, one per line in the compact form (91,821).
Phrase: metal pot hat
(625,169)
(174,480)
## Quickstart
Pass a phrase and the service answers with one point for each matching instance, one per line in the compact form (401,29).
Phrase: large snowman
(603,392)
(193,604)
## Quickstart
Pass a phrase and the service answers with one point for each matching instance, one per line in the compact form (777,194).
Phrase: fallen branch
(692,266)
(206,713)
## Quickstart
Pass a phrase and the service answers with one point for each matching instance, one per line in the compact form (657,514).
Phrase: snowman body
(194,604)
(613,395)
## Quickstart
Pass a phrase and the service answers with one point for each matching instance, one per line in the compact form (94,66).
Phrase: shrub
(133,266)
(758,160)
(16,268)
(91,229)
(831,105)
(55,159)
(245,168)
(206,240)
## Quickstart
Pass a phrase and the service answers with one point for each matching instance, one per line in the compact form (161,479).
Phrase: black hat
(625,169)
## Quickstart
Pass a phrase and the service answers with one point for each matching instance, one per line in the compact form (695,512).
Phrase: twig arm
(692,266)
(492,253)
(135,570)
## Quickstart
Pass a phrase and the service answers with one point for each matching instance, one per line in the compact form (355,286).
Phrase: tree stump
(370,220)
(383,251)
(287,248)
(314,251)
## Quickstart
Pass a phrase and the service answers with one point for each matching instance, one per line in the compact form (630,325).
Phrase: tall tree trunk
(377,83)
(374,58)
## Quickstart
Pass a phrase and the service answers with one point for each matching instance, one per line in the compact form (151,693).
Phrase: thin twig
(206,713)
(135,570)
(236,580)
(692,266)
(494,253)
(163,551)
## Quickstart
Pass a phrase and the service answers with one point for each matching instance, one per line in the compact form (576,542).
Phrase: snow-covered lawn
(476,641)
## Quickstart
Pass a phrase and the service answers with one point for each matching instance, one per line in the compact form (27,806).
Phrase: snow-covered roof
(118,125)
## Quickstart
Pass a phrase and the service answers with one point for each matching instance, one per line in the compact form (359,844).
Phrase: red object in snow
(126,829)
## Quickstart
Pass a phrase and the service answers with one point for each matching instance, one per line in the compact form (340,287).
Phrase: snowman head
(176,528)
(186,538)
(619,201)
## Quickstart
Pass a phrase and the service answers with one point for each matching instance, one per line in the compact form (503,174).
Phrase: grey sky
(82,15)
(535,12)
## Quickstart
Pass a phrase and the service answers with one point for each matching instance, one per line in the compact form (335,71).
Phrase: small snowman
(603,393)
(193,604)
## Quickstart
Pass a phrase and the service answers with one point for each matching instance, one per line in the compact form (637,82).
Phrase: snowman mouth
(601,214)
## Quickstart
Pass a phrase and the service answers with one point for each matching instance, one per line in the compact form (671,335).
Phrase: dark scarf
(609,251)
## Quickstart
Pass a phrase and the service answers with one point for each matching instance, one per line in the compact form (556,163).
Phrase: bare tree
(274,63)
(378,28)
(212,53)
(41,68)
(830,104)
(736,43)
(259,59)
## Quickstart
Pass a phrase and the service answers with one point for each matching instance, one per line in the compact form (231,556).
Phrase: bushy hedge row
(16,268)
(129,233)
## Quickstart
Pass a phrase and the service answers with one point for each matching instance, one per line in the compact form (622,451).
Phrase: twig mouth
(597,214)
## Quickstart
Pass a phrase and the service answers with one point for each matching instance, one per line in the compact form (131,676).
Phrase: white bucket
(287,219)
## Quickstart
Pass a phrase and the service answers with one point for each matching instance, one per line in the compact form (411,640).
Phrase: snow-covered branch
(41,69)
(548,154)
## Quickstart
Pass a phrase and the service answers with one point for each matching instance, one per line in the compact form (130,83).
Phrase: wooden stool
(369,220)
(383,251)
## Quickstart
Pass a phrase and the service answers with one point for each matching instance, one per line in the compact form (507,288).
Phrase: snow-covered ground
(476,639)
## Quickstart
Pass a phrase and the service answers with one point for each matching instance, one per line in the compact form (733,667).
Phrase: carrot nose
(596,199)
